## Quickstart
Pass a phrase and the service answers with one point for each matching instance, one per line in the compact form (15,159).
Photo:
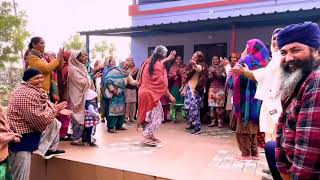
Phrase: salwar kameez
(131,109)
(153,121)
(116,111)
(193,104)
(175,91)
(131,100)
(247,138)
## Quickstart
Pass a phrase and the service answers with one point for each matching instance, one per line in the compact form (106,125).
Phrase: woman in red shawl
(153,83)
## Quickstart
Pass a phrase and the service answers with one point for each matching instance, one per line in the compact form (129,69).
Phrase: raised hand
(172,55)
(60,54)
(239,70)
(224,61)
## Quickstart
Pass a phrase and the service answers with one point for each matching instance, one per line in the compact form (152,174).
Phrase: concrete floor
(180,156)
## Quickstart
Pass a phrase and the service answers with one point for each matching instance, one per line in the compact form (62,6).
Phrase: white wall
(259,7)
(139,45)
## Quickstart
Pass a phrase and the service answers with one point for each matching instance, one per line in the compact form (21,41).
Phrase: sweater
(45,67)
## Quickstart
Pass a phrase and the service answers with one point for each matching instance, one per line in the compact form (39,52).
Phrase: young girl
(91,116)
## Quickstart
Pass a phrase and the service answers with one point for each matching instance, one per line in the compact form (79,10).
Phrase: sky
(57,20)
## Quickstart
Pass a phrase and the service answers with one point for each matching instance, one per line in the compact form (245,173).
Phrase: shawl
(63,76)
(246,107)
(78,84)
(151,87)
(6,134)
(116,77)
(54,91)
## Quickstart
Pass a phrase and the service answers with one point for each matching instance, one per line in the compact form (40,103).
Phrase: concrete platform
(181,156)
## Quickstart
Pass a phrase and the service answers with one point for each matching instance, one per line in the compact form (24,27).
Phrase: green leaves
(13,33)
(74,43)
(103,49)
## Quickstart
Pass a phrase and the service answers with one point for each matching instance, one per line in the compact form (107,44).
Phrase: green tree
(103,49)
(10,78)
(13,33)
(74,43)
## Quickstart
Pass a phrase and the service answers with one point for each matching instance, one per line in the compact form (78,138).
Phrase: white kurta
(268,79)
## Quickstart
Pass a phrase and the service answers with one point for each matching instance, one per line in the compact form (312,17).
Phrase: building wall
(139,45)
(258,7)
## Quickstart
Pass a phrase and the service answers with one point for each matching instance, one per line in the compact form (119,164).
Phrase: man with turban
(33,116)
(298,129)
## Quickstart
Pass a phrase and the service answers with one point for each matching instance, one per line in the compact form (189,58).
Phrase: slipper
(149,143)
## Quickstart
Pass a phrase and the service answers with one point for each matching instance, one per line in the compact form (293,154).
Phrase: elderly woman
(47,64)
(246,107)
(131,93)
(79,82)
(196,78)
(115,81)
(104,106)
(216,97)
(176,74)
(153,84)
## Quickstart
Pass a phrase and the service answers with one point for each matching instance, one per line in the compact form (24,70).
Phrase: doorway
(210,50)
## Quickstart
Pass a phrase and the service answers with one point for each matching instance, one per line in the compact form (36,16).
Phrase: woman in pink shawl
(153,84)
(79,82)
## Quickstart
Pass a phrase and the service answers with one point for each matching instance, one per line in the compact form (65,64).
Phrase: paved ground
(179,156)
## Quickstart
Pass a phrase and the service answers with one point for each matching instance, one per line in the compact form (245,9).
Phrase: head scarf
(246,107)
(307,33)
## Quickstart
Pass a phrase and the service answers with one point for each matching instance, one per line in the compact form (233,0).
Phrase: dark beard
(292,73)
